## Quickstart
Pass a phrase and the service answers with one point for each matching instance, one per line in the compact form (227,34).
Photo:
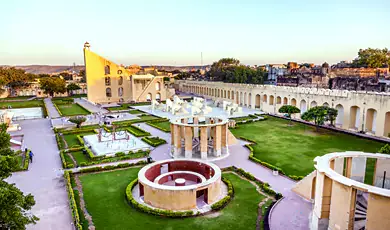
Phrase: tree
(385,149)
(14,204)
(317,114)
(373,58)
(71,87)
(331,115)
(14,78)
(51,85)
(78,120)
(289,109)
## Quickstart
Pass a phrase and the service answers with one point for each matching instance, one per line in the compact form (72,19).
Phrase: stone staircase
(360,212)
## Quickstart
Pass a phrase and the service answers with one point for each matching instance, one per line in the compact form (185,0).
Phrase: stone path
(44,179)
(51,110)
(89,106)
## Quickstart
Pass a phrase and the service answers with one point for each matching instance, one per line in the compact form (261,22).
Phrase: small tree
(78,120)
(289,109)
(331,115)
(71,87)
(317,114)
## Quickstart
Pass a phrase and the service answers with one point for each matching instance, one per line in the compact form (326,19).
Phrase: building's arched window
(119,71)
(120,80)
(108,92)
(149,97)
(107,81)
(158,97)
(120,91)
(157,86)
(107,69)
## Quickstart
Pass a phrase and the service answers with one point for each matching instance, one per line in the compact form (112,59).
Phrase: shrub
(138,132)
(385,149)
(72,201)
(78,120)
(120,154)
(154,141)
(143,208)
(59,142)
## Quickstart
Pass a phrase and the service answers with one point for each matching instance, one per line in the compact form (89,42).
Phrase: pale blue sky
(175,32)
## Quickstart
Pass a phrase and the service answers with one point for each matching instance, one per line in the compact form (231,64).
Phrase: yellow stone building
(108,82)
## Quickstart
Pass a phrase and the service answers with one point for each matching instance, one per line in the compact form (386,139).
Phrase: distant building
(109,83)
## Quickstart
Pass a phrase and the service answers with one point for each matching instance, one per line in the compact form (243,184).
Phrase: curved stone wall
(158,184)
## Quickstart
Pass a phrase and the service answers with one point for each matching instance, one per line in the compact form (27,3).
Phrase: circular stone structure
(199,137)
(180,184)
(341,198)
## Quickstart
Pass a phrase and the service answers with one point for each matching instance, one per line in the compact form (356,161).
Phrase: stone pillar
(382,166)
(196,129)
(339,165)
(358,170)
(348,167)
(172,136)
(321,210)
(224,141)
(203,142)
(188,141)
(177,141)
(217,141)
(207,121)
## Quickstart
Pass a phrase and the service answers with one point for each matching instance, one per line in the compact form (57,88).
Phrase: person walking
(31,154)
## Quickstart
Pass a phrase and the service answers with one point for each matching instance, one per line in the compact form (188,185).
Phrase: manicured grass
(135,111)
(20,160)
(165,125)
(72,109)
(141,119)
(15,98)
(264,208)
(71,139)
(21,104)
(154,141)
(68,160)
(293,148)
(79,156)
(105,201)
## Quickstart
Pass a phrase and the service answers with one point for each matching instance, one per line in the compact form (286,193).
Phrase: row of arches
(350,117)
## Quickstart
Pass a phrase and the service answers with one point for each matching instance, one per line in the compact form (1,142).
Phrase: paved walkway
(107,164)
(51,110)
(89,106)
(44,179)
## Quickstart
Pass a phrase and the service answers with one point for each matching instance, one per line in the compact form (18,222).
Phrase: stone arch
(313,104)
(354,117)
(325,104)
(293,102)
(149,97)
(386,130)
(232,95)
(107,81)
(237,98)
(107,69)
(303,106)
(278,100)
(340,115)
(371,120)
(285,101)
(245,99)
(257,101)
(158,96)
(241,99)
(120,91)
(271,99)
(120,80)
(249,100)
(265,98)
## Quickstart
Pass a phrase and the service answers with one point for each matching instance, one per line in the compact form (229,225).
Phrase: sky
(176,32)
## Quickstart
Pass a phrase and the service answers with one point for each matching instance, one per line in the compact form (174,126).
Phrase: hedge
(64,164)
(130,122)
(151,123)
(263,186)
(268,165)
(72,202)
(26,161)
(78,130)
(59,142)
(113,159)
(59,111)
(136,131)
(143,208)
(111,167)
(224,201)
(154,141)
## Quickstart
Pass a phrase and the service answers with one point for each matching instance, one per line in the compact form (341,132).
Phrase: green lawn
(135,111)
(141,119)
(21,104)
(15,98)
(162,125)
(79,156)
(104,194)
(294,148)
(72,109)
(71,139)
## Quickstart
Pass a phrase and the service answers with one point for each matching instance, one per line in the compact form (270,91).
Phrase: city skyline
(176,32)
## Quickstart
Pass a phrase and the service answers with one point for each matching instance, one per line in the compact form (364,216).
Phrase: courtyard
(293,148)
